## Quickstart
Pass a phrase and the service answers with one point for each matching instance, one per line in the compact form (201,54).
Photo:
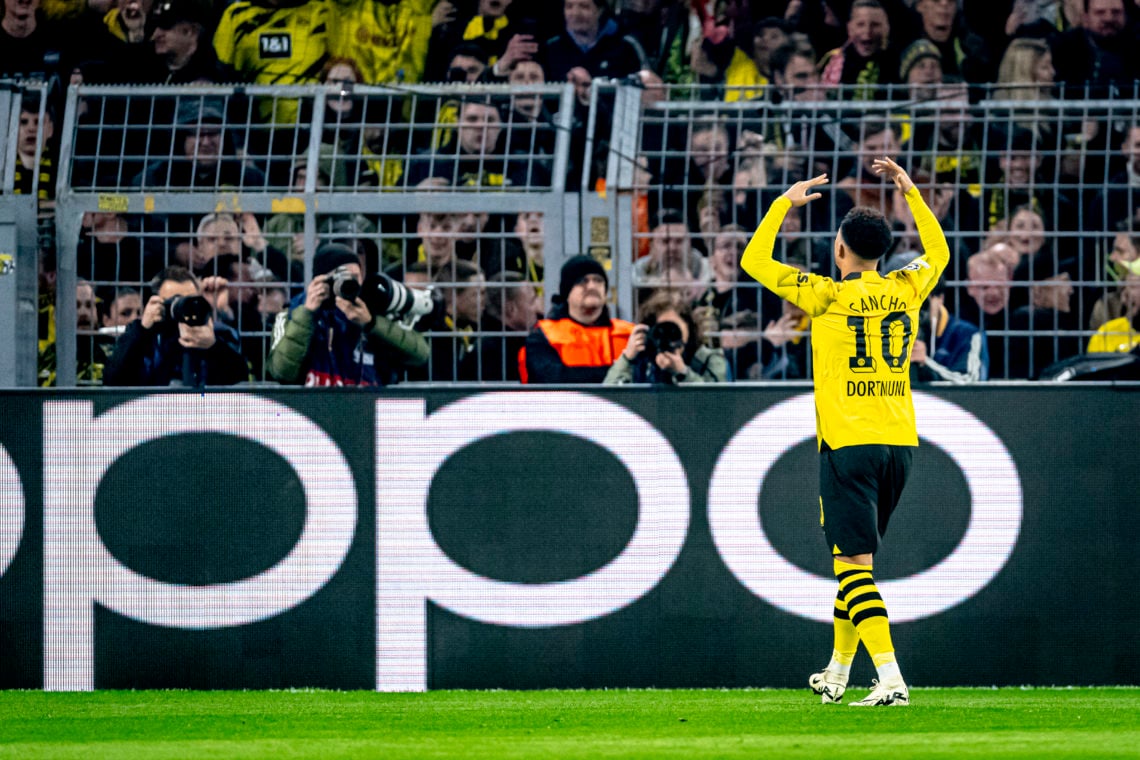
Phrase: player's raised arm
(934,246)
(783,280)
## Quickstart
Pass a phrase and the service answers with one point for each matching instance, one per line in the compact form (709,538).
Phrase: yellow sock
(866,610)
(846,638)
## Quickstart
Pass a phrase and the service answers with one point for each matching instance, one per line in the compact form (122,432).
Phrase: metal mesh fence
(1037,197)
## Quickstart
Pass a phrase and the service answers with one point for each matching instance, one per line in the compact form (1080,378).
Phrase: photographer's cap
(575,270)
(329,256)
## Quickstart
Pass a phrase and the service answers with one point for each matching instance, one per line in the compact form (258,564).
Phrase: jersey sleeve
(923,272)
(811,292)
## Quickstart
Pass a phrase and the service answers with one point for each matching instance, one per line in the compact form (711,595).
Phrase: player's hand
(801,192)
(636,342)
(892,171)
(918,354)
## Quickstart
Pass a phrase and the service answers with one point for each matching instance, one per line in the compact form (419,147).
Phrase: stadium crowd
(1039,198)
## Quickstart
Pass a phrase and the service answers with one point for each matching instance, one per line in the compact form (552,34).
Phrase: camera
(343,283)
(395,300)
(193,311)
(663,337)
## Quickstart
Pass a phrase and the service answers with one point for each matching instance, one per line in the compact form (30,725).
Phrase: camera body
(343,284)
(193,311)
(663,337)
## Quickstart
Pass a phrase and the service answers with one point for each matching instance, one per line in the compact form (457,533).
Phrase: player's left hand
(893,172)
(801,192)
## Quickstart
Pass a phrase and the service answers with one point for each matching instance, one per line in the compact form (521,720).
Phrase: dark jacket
(613,55)
(155,357)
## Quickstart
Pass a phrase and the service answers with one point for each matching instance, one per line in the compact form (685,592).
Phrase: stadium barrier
(716,158)
(19,236)
(417,539)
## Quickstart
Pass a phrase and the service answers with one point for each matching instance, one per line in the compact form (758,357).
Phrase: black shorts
(859,488)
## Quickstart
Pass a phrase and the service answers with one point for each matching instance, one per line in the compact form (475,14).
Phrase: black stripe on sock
(849,573)
(840,614)
(870,596)
(870,612)
(850,587)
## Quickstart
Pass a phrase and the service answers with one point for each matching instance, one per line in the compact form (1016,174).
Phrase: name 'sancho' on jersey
(877,303)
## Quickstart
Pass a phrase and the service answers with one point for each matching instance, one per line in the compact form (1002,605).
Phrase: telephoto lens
(189,310)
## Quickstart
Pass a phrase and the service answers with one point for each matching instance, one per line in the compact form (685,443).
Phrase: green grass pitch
(769,724)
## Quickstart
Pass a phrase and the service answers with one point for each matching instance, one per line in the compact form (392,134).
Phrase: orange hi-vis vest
(581,345)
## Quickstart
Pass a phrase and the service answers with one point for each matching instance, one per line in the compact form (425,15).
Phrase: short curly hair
(866,232)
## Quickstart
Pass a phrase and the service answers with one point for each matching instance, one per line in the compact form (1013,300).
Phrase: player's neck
(850,267)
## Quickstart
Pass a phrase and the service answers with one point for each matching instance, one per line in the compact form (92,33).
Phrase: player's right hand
(801,192)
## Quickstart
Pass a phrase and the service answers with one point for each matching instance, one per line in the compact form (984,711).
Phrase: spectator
(1049,315)
(513,308)
(768,35)
(463,293)
(785,352)
(180,42)
(387,40)
(29,46)
(591,45)
(920,68)
(806,132)
(866,59)
(1098,58)
(1121,334)
(203,156)
(988,287)
(656,356)
(529,234)
(963,53)
(672,261)
(709,167)
(863,187)
(473,156)
(1121,196)
(1121,266)
(122,46)
(159,349)
(1019,157)
(125,307)
(487,27)
(437,242)
(324,339)
(530,124)
(111,252)
(578,342)
(34,168)
(1026,71)
(728,308)
(276,42)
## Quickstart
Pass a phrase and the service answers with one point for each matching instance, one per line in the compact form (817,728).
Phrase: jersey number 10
(896,331)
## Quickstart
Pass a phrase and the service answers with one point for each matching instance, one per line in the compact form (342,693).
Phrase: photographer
(175,341)
(330,334)
(667,348)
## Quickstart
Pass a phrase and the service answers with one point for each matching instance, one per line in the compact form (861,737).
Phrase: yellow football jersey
(285,44)
(862,331)
(388,41)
